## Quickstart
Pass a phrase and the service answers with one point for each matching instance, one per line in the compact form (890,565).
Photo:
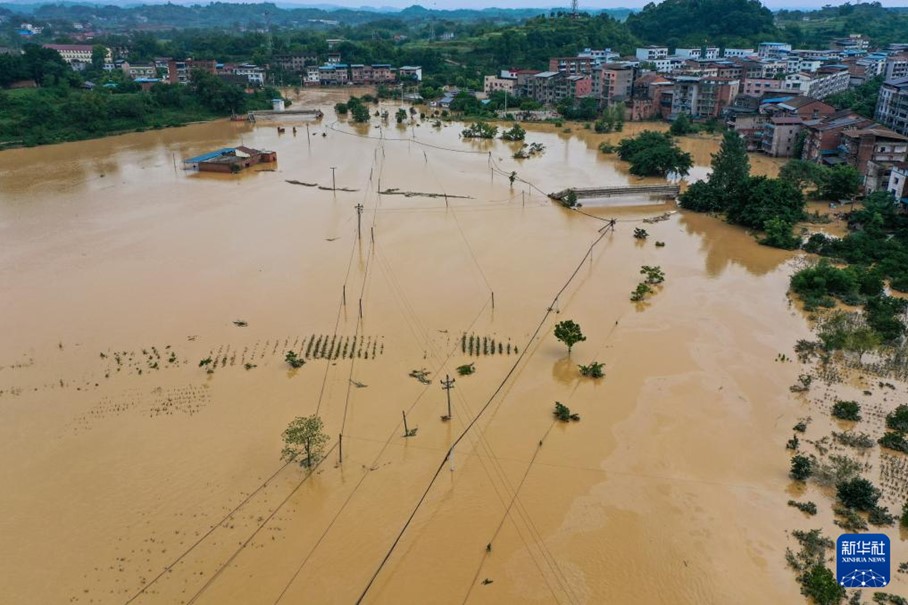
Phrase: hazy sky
(449,4)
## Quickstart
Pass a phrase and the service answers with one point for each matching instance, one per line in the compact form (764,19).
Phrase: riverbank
(42,116)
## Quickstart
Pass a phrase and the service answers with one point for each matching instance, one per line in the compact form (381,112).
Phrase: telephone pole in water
(448,383)
(359,217)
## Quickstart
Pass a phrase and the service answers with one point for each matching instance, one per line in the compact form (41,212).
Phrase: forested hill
(693,23)
(814,29)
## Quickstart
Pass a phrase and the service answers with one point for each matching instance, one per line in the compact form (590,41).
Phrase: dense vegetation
(861,99)
(814,29)
(691,23)
(61,112)
(761,203)
(877,243)
(653,153)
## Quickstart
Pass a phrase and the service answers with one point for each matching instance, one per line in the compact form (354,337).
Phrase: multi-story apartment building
(140,70)
(78,55)
(698,53)
(728,53)
(614,83)
(254,74)
(822,137)
(755,87)
(180,72)
(652,53)
(892,105)
(552,87)
(773,49)
(873,151)
(295,62)
(852,42)
(572,66)
(668,65)
(335,74)
(826,81)
(499,83)
(796,64)
(780,135)
(702,97)
(599,57)
(896,66)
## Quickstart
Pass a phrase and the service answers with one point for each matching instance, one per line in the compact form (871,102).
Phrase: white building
(729,53)
(773,49)
(78,55)
(600,57)
(652,53)
(253,73)
(898,178)
(410,72)
(698,53)
(796,64)
(668,64)
(818,85)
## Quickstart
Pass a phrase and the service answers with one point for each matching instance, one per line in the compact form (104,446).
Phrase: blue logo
(862,560)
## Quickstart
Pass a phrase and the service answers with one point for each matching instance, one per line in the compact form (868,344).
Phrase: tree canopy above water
(697,22)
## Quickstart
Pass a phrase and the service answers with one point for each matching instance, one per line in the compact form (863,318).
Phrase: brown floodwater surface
(121,457)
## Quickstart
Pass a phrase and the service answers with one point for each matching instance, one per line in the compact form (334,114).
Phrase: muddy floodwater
(128,473)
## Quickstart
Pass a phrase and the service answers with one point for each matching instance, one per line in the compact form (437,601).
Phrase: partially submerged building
(230,159)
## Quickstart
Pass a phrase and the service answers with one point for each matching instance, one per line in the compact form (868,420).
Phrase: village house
(873,151)
(410,72)
(823,136)
(230,159)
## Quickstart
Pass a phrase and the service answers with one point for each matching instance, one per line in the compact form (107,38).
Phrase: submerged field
(130,474)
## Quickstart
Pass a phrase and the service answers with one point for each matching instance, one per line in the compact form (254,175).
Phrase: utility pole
(448,383)
(359,218)
(340,448)
(333,182)
(308,139)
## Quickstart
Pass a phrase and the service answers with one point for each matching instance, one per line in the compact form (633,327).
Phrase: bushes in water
(847,410)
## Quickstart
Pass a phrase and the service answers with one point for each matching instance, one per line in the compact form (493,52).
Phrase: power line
(473,422)
(259,528)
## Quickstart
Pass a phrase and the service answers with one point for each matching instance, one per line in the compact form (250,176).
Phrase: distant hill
(193,14)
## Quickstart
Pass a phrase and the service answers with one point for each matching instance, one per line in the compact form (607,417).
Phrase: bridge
(651,191)
(270,113)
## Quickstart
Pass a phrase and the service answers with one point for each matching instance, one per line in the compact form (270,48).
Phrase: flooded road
(128,473)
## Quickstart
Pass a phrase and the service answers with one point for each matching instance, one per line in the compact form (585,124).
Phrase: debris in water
(395,191)
(421,375)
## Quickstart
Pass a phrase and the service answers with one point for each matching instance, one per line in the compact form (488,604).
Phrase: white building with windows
(652,53)
(253,73)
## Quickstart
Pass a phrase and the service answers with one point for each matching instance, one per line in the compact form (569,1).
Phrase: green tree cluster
(761,203)
(569,333)
(690,23)
(611,120)
(652,153)
(877,241)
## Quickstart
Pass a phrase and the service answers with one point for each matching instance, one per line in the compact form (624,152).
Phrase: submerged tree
(304,440)
(569,333)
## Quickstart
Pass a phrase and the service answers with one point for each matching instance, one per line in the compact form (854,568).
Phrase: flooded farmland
(130,474)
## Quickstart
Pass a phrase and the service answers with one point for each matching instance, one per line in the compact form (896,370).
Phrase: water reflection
(724,244)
